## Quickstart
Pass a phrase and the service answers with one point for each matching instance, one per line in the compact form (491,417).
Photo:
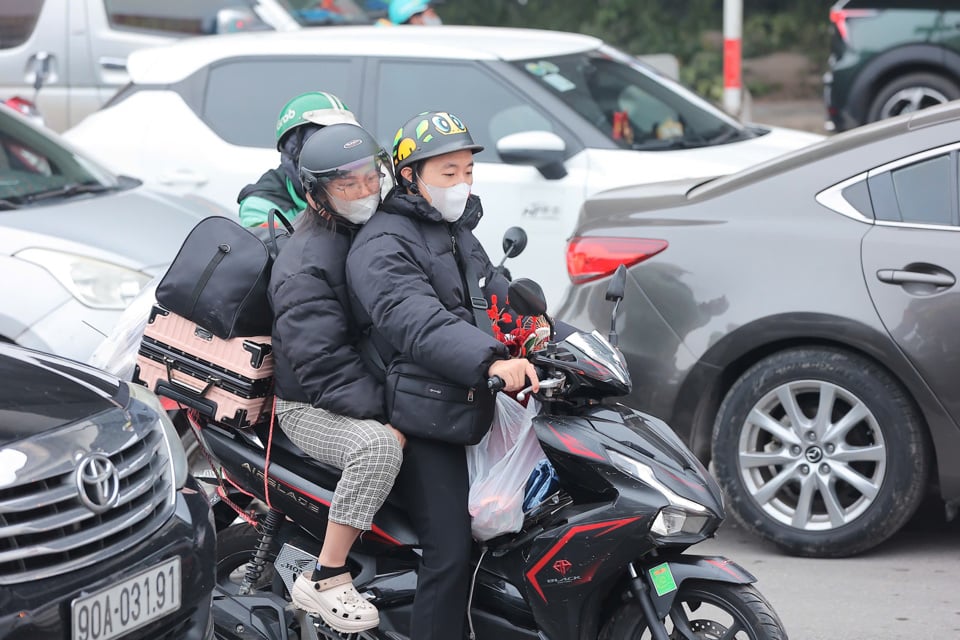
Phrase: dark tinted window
(490,109)
(920,193)
(859,198)
(311,13)
(244,97)
(182,17)
(17,20)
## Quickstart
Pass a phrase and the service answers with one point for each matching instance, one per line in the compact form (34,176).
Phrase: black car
(103,534)
(796,324)
(889,57)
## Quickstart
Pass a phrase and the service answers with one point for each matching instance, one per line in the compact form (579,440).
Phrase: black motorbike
(603,557)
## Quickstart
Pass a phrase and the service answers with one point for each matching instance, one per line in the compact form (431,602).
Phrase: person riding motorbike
(417,12)
(328,403)
(280,188)
(406,285)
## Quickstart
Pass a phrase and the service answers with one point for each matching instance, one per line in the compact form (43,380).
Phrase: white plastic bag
(117,353)
(499,467)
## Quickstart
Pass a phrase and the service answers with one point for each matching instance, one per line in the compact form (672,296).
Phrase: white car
(561,116)
(77,243)
(75,51)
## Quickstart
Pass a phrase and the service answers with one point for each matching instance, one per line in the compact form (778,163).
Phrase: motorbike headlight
(645,474)
(178,457)
(95,283)
(672,521)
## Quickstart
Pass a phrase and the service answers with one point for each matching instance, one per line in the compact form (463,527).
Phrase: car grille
(46,530)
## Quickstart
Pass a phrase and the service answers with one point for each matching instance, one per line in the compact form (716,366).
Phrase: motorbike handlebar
(495,384)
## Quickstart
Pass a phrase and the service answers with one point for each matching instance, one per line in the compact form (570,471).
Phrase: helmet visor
(358,179)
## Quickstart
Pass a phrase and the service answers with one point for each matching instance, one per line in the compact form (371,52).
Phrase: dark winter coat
(314,332)
(404,279)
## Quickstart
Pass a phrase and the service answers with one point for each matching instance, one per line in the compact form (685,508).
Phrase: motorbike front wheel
(235,546)
(704,611)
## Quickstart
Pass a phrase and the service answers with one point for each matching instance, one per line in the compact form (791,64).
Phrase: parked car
(76,241)
(795,323)
(104,533)
(75,51)
(560,116)
(889,57)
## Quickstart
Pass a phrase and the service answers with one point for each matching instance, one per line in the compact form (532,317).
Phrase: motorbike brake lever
(550,383)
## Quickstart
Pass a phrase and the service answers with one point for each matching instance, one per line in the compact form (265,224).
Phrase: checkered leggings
(367,452)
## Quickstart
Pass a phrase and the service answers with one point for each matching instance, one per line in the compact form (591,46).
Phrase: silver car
(77,242)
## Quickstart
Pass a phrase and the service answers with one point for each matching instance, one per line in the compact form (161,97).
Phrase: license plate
(128,605)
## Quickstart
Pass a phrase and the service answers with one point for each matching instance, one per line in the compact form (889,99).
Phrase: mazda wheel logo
(98,483)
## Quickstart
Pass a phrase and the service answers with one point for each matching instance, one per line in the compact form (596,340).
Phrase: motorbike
(604,556)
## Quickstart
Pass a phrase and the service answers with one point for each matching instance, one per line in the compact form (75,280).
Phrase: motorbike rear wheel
(704,611)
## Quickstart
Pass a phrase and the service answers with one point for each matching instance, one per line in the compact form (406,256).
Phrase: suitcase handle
(183,386)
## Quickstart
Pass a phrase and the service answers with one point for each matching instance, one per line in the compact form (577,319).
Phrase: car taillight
(839,18)
(590,258)
(22,105)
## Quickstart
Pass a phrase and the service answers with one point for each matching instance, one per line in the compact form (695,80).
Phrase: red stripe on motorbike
(374,528)
(607,526)
(723,565)
(574,446)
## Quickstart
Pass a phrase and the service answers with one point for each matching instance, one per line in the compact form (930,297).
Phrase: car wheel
(821,452)
(911,92)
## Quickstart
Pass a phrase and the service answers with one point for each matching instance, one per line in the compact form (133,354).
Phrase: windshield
(631,105)
(33,166)
(314,13)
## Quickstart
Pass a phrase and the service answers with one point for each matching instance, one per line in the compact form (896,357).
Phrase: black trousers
(434,485)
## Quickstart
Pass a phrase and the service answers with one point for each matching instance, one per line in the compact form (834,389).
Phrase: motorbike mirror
(615,292)
(514,242)
(617,284)
(526,297)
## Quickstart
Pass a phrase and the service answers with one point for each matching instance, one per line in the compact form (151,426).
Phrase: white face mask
(356,211)
(449,201)
(431,21)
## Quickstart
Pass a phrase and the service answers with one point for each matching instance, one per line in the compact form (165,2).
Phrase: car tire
(828,487)
(911,92)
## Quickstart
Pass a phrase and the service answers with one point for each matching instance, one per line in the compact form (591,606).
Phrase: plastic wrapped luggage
(229,381)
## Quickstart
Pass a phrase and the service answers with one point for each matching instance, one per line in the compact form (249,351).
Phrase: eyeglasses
(357,184)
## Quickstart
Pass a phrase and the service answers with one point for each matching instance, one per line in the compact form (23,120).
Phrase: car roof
(846,141)
(174,62)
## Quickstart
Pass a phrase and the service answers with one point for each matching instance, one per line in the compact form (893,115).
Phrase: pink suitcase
(230,381)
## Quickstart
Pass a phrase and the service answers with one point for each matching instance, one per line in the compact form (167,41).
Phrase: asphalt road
(907,588)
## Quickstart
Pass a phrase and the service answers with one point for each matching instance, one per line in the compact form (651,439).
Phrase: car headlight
(645,474)
(178,457)
(95,283)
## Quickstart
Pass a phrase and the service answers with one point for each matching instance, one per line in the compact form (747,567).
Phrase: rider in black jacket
(406,283)
(328,403)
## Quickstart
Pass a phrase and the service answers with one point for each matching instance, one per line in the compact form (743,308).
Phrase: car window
(631,106)
(310,13)
(266,85)
(920,193)
(32,163)
(17,20)
(183,17)
(489,108)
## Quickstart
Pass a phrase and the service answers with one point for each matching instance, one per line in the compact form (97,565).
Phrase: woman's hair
(314,219)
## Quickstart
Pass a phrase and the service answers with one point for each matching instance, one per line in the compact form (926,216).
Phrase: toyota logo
(98,483)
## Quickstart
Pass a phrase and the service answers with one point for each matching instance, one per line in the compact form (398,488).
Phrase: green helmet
(316,107)
(432,133)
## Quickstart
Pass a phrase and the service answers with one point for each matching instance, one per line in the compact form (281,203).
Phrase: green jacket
(274,190)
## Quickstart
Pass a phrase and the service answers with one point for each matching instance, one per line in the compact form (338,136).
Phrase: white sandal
(336,601)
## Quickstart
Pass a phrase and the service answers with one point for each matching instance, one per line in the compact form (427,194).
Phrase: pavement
(806,115)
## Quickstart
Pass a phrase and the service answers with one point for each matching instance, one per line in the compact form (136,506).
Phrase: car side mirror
(541,149)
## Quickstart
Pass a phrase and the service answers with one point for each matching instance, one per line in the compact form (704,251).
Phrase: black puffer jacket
(404,278)
(314,331)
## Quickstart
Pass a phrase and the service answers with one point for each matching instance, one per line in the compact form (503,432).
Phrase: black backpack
(220,276)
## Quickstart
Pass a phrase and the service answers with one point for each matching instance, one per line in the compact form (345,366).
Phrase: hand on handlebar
(514,373)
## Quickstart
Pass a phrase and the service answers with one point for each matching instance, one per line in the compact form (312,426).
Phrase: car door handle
(113,64)
(182,177)
(902,276)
